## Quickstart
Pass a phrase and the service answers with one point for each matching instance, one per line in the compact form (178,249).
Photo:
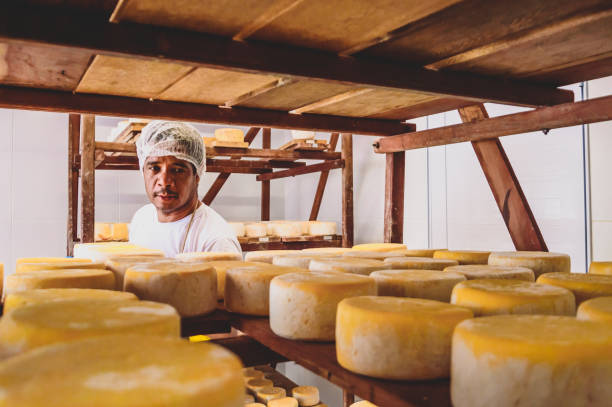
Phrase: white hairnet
(161,138)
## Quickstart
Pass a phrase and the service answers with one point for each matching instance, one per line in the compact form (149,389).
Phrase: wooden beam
(52,26)
(347,398)
(546,118)
(423,109)
(347,191)
(331,100)
(74,135)
(265,184)
(307,169)
(505,186)
(250,352)
(316,204)
(259,91)
(88,177)
(394,197)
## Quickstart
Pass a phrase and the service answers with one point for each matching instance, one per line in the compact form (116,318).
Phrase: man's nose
(164,178)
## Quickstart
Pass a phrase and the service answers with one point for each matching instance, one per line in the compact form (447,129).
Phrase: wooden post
(506,189)
(265,185)
(347,191)
(316,204)
(347,398)
(74,135)
(88,177)
(394,197)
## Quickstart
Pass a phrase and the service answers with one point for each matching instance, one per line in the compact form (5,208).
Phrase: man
(172,158)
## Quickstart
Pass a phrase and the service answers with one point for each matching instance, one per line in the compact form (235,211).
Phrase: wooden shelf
(289,243)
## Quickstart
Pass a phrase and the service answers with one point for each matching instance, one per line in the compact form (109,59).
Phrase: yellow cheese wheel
(306,396)
(123,371)
(596,309)
(363,403)
(493,297)
(284,229)
(337,251)
(208,256)
(272,393)
(64,278)
(424,263)
(191,288)
(250,400)
(255,229)
(539,262)
(531,360)
(247,289)
(102,231)
(419,252)
(51,260)
(396,338)
(380,247)
(348,265)
(255,385)
(266,256)
(600,267)
(300,259)
(104,251)
(229,135)
(251,373)
(254,405)
(303,305)
(318,228)
(58,265)
(119,265)
(428,284)
(23,298)
(221,268)
(485,271)
(284,402)
(36,325)
(584,286)
(463,256)
(362,254)
(119,231)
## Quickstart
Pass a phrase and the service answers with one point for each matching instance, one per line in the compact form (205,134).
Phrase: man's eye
(154,168)
(179,170)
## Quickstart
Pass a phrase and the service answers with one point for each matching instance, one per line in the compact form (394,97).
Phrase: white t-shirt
(209,232)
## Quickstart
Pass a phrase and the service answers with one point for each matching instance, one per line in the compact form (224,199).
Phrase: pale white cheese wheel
(221,268)
(380,247)
(272,393)
(22,260)
(119,265)
(531,360)
(191,288)
(419,252)
(337,251)
(307,396)
(348,265)
(596,309)
(300,259)
(424,263)
(428,284)
(266,256)
(239,228)
(256,229)
(584,286)
(396,338)
(104,251)
(362,254)
(284,402)
(284,229)
(363,403)
(319,228)
(229,135)
(463,256)
(538,262)
(485,271)
(208,256)
(303,305)
(63,278)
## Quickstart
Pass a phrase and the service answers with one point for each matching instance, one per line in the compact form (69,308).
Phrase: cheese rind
(51,260)
(284,229)
(379,247)
(494,297)
(307,396)
(221,268)
(239,228)
(123,371)
(284,402)
(596,309)
(600,267)
(255,229)
(538,262)
(119,265)
(337,251)
(318,228)
(485,271)
(229,135)
(104,251)
(463,256)
(348,265)
(120,232)
(102,231)
(396,338)
(424,263)
(272,393)
(266,256)
(303,305)
(362,254)
(427,284)
(419,252)
(584,286)
(363,403)
(255,385)
(208,256)
(63,278)
(529,360)
(58,265)
(300,259)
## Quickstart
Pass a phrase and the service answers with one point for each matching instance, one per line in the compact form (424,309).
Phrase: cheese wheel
(424,263)
(284,229)
(247,289)
(208,256)
(119,231)
(255,385)
(584,286)
(336,251)
(123,371)
(23,298)
(266,256)
(229,135)
(300,259)
(239,228)
(51,260)
(418,252)
(58,265)
(66,278)
(600,267)
(596,309)
(380,247)
(306,396)
(221,268)
(272,393)
(254,405)
(531,360)
(539,262)
(251,373)
(284,402)
(303,305)
(348,265)
(191,288)
(119,265)
(102,231)
(255,230)
(36,325)
(104,251)
(318,228)
(429,284)
(463,256)
(249,400)
(362,254)
(363,403)
(396,338)
(484,271)
(493,297)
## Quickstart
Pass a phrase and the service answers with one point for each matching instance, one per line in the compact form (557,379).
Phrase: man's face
(170,183)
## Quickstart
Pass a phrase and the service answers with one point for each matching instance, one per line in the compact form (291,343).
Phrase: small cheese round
(584,286)
(239,228)
(254,405)
(380,247)
(123,371)
(58,265)
(191,288)
(23,298)
(208,256)
(396,338)
(120,232)
(273,393)
(428,284)
(463,256)
(284,229)
(255,385)
(362,254)
(531,360)
(424,263)
(539,262)
(348,265)
(64,278)
(596,309)
(336,251)
(102,231)
(303,305)
(302,135)
(300,259)
(36,325)
(51,260)
(318,228)
(229,135)
(307,396)
(249,400)
(600,267)
(255,229)
(251,373)
(266,256)
(119,265)
(247,289)
(221,268)
(284,402)
(493,297)
(485,271)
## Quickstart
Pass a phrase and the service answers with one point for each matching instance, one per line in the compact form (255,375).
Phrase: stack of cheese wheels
(239,228)
(208,256)
(104,251)
(247,289)
(221,268)
(463,256)
(63,278)
(229,135)
(266,256)
(584,286)
(191,288)
(58,265)
(428,284)
(539,262)
(362,254)
(484,271)
(531,360)
(283,402)
(23,298)
(249,400)
(319,228)
(284,228)
(348,265)
(300,259)
(119,265)
(396,338)
(124,371)
(493,297)
(303,305)
(255,229)
(271,393)
(601,267)
(36,325)
(337,251)
(307,396)
(423,263)
(596,309)
(380,247)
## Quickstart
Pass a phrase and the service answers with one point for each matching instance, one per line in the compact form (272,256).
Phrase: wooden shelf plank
(290,243)
(217,322)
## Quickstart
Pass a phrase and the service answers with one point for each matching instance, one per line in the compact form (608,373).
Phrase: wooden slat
(505,186)
(580,70)
(293,245)
(347,191)
(316,204)
(259,91)
(265,184)
(307,169)
(434,106)
(278,8)
(88,178)
(394,197)
(74,136)
(568,114)
(330,100)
